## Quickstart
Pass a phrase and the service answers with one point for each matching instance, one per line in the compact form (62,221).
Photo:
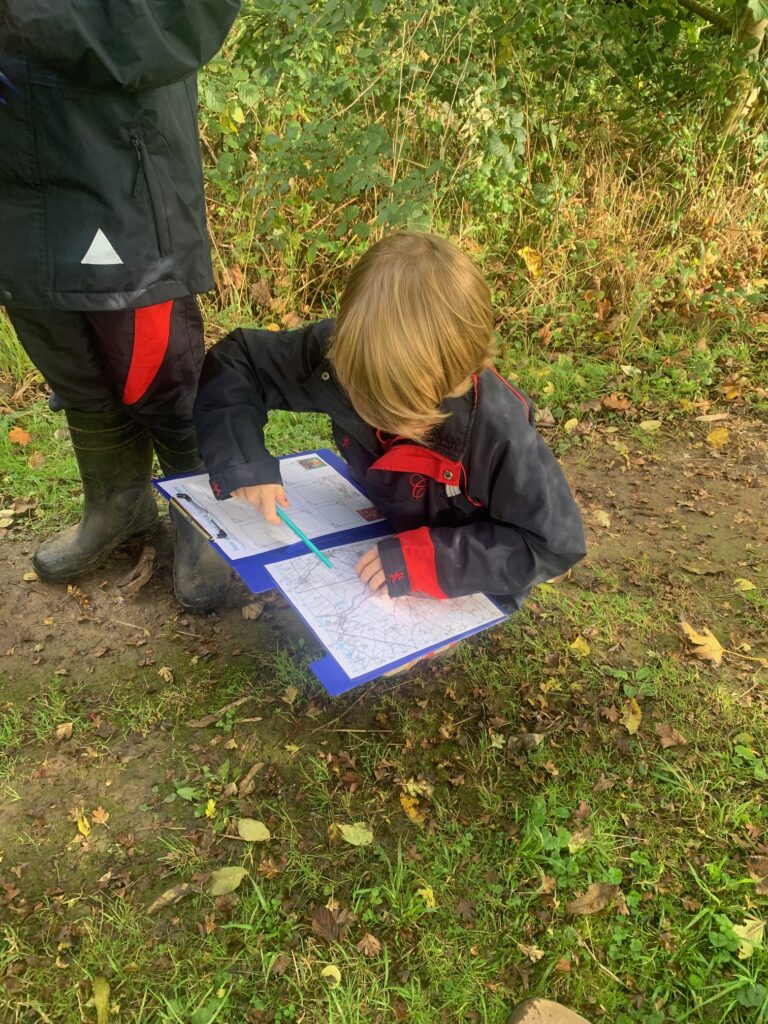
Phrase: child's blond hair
(415,323)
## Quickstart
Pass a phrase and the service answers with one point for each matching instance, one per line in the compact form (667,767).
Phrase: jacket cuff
(409,564)
(249,474)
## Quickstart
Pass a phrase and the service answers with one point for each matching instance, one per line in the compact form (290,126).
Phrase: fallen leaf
(140,574)
(570,425)
(751,935)
(466,911)
(705,644)
(649,426)
(356,835)
(215,716)
(332,975)
(17,435)
(165,674)
(210,808)
(580,647)
(369,945)
(171,896)
(225,880)
(331,925)
(83,825)
(291,320)
(101,999)
(583,811)
(253,831)
(428,895)
(602,518)
(532,259)
(289,696)
(670,737)
(28,577)
(718,437)
(631,716)
(616,402)
(533,953)
(744,585)
(410,805)
(280,965)
(563,965)
(100,816)
(36,460)
(248,784)
(252,611)
(758,872)
(597,897)
(63,732)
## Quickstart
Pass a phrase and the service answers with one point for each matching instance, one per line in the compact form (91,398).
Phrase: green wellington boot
(200,576)
(114,455)
(544,1011)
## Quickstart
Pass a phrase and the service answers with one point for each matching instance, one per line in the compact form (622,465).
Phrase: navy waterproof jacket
(101,186)
(484,507)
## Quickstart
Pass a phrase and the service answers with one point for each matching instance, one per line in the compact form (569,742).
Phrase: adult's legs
(113,450)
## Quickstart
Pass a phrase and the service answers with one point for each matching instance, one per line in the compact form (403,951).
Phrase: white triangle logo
(101,251)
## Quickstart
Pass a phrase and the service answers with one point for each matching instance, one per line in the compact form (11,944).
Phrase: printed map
(365,631)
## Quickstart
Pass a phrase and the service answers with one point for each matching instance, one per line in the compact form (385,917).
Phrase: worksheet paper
(366,632)
(322,502)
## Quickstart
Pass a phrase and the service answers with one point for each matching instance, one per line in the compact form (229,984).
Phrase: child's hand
(371,571)
(264,497)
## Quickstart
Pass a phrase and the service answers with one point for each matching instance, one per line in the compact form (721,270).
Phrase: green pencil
(304,538)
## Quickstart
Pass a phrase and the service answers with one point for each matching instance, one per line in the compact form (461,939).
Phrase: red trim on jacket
(419,555)
(511,388)
(151,334)
(411,458)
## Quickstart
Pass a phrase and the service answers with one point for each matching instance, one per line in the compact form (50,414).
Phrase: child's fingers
(281,498)
(366,560)
(378,581)
(268,507)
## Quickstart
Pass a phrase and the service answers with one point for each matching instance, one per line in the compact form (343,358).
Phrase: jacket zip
(148,174)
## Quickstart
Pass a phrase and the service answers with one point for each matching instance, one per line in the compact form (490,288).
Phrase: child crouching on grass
(445,447)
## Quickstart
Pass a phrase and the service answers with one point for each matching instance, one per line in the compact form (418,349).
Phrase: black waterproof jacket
(484,508)
(101,188)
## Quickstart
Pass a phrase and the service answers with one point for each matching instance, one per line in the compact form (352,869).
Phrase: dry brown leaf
(670,737)
(206,720)
(36,460)
(331,925)
(616,402)
(533,953)
(247,784)
(17,435)
(140,574)
(63,732)
(466,911)
(369,945)
(532,259)
(705,644)
(597,897)
(100,816)
(252,611)
(410,805)
(758,872)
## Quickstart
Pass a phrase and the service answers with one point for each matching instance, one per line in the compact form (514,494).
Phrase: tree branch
(713,17)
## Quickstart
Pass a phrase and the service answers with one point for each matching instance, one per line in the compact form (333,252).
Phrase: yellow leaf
(718,437)
(532,259)
(705,644)
(101,999)
(744,585)
(631,716)
(225,880)
(356,835)
(649,425)
(332,975)
(238,116)
(751,935)
(100,816)
(210,808)
(165,674)
(253,831)
(410,805)
(580,647)
(570,425)
(83,825)
(428,896)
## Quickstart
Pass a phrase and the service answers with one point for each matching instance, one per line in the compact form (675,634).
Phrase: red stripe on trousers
(151,334)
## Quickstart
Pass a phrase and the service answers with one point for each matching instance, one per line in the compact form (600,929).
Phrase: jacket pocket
(147,178)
